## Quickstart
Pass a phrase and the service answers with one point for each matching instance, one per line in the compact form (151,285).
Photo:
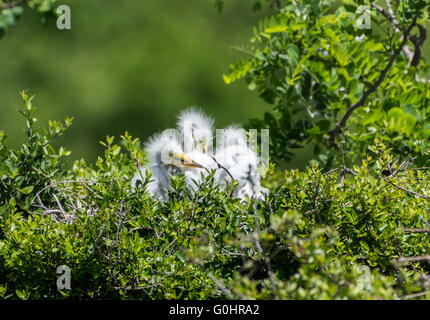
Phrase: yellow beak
(186,160)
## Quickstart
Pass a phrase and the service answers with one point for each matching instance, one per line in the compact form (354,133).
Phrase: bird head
(232,136)
(165,149)
(196,130)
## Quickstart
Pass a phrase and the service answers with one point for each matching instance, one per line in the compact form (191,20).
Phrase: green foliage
(9,17)
(312,64)
(319,234)
(13,10)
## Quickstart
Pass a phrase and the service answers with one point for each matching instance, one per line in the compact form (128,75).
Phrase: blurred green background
(129,66)
(126,65)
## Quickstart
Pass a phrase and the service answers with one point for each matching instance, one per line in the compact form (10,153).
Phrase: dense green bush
(347,233)
(353,225)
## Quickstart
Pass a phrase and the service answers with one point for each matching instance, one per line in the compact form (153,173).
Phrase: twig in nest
(222,167)
(412,259)
(406,190)
(415,230)
(13,4)
(225,169)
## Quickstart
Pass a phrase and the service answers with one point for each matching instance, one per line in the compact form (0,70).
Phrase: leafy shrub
(10,12)
(334,86)
(347,233)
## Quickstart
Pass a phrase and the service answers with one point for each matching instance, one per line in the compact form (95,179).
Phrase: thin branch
(389,14)
(220,285)
(389,8)
(222,167)
(136,288)
(65,182)
(412,259)
(389,17)
(415,295)
(342,122)
(421,168)
(415,230)
(350,171)
(418,43)
(406,190)
(413,56)
(402,166)
(60,206)
(12,4)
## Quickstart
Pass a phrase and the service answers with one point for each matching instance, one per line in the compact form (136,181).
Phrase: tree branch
(412,259)
(415,295)
(418,43)
(390,17)
(406,190)
(415,230)
(12,4)
(413,56)
(342,122)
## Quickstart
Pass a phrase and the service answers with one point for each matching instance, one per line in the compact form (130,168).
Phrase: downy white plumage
(196,131)
(166,159)
(191,154)
(241,162)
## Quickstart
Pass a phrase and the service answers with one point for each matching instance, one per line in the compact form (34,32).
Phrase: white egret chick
(166,159)
(240,161)
(196,130)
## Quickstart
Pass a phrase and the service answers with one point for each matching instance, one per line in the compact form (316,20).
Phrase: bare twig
(402,166)
(342,122)
(415,230)
(60,206)
(221,285)
(350,171)
(136,288)
(390,17)
(406,190)
(389,14)
(421,168)
(415,295)
(226,170)
(412,259)
(65,182)
(13,4)
(222,167)
(418,43)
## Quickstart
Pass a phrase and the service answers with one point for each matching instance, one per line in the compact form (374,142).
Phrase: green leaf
(27,190)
